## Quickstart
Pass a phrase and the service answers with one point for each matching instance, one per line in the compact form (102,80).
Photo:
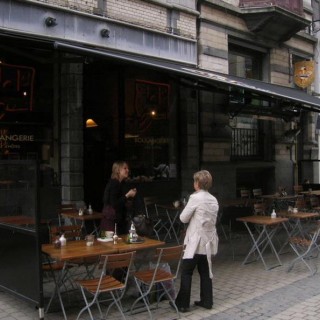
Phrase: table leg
(260,244)
(171,227)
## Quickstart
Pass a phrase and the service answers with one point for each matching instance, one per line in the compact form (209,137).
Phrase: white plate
(105,239)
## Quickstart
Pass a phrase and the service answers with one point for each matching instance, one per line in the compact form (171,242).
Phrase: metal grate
(245,144)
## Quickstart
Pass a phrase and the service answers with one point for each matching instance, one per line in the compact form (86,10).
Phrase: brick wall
(136,12)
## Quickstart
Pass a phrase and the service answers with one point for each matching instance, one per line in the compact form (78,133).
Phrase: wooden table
(74,216)
(76,250)
(79,249)
(266,228)
(20,221)
(295,227)
(280,202)
(311,192)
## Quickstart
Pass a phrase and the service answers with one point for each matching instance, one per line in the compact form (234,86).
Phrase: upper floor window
(245,63)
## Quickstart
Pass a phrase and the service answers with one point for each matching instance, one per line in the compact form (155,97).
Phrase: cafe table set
(265,228)
(82,216)
(87,249)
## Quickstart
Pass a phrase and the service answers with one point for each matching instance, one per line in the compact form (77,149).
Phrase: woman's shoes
(203,305)
(181,309)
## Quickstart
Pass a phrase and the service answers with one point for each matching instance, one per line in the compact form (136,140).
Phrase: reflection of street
(162,171)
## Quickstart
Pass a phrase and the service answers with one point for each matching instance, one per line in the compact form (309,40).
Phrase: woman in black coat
(117,199)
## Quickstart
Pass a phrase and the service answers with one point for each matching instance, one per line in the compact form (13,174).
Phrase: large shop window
(150,132)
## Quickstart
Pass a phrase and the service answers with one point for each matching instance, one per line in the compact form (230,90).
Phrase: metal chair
(65,269)
(257,193)
(314,203)
(106,282)
(163,272)
(297,189)
(259,208)
(66,207)
(300,203)
(306,249)
(160,223)
(245,195)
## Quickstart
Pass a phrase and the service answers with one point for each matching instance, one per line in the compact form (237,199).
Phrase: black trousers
(188,265)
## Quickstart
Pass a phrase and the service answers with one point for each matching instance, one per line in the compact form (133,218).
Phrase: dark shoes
(181,309)
(203,305)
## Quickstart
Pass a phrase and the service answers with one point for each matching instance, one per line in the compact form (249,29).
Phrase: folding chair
(106,283)
(306,249)
(300,203)
(66,269)
(314,203)
(163,272)
(245,196)
(66,207)
(59,273)
(160,223)
(259,209)
(257,193)
(297,189)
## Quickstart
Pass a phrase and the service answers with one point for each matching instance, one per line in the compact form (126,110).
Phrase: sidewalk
(240,292)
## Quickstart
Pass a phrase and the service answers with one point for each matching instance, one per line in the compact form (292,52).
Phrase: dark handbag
(109,218)
(143,225)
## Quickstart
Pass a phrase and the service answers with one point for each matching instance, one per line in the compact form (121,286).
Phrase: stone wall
(72,124)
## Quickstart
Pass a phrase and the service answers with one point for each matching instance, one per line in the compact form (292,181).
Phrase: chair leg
(143,295)
(172,300)
(88,305)
(117,302)
(302,257)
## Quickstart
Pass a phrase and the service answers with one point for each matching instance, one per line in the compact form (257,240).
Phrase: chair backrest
(71,232)
(67,207)
(119,261)
(171,256)
(257,193)
(300,203)
(297,189)
(314,202)
(149,206)
(259,208)
(244,193)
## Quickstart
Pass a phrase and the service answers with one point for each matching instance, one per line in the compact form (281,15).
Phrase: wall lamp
(90,123)
(313,25)
(50,22)
(105,33)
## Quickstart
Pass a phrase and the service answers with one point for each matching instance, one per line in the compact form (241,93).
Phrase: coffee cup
(109,234)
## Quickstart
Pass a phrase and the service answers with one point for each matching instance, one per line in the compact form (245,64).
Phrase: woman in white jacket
(201,242)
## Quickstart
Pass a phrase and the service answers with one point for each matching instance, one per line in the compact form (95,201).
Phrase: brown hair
(204,179)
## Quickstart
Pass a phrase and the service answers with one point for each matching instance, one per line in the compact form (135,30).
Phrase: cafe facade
(169,86)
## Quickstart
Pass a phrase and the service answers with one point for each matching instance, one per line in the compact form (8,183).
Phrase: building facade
(156,77)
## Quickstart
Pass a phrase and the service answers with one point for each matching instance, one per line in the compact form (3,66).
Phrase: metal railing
(245,144)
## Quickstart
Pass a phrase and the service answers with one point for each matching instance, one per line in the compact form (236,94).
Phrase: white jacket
(201,237)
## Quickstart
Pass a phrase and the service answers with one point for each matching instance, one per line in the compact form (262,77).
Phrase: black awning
(298,97)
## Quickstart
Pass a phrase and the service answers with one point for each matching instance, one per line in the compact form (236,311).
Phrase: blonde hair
(204,179)
(115,174)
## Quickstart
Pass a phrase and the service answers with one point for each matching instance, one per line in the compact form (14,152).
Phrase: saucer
(105,239)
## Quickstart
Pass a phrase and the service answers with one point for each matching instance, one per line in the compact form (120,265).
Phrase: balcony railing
(295,6)
(246,144)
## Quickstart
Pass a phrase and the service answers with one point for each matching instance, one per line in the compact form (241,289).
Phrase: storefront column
(189,137)
(72,125)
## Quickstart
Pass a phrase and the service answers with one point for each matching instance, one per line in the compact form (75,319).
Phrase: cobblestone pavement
(240,292)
